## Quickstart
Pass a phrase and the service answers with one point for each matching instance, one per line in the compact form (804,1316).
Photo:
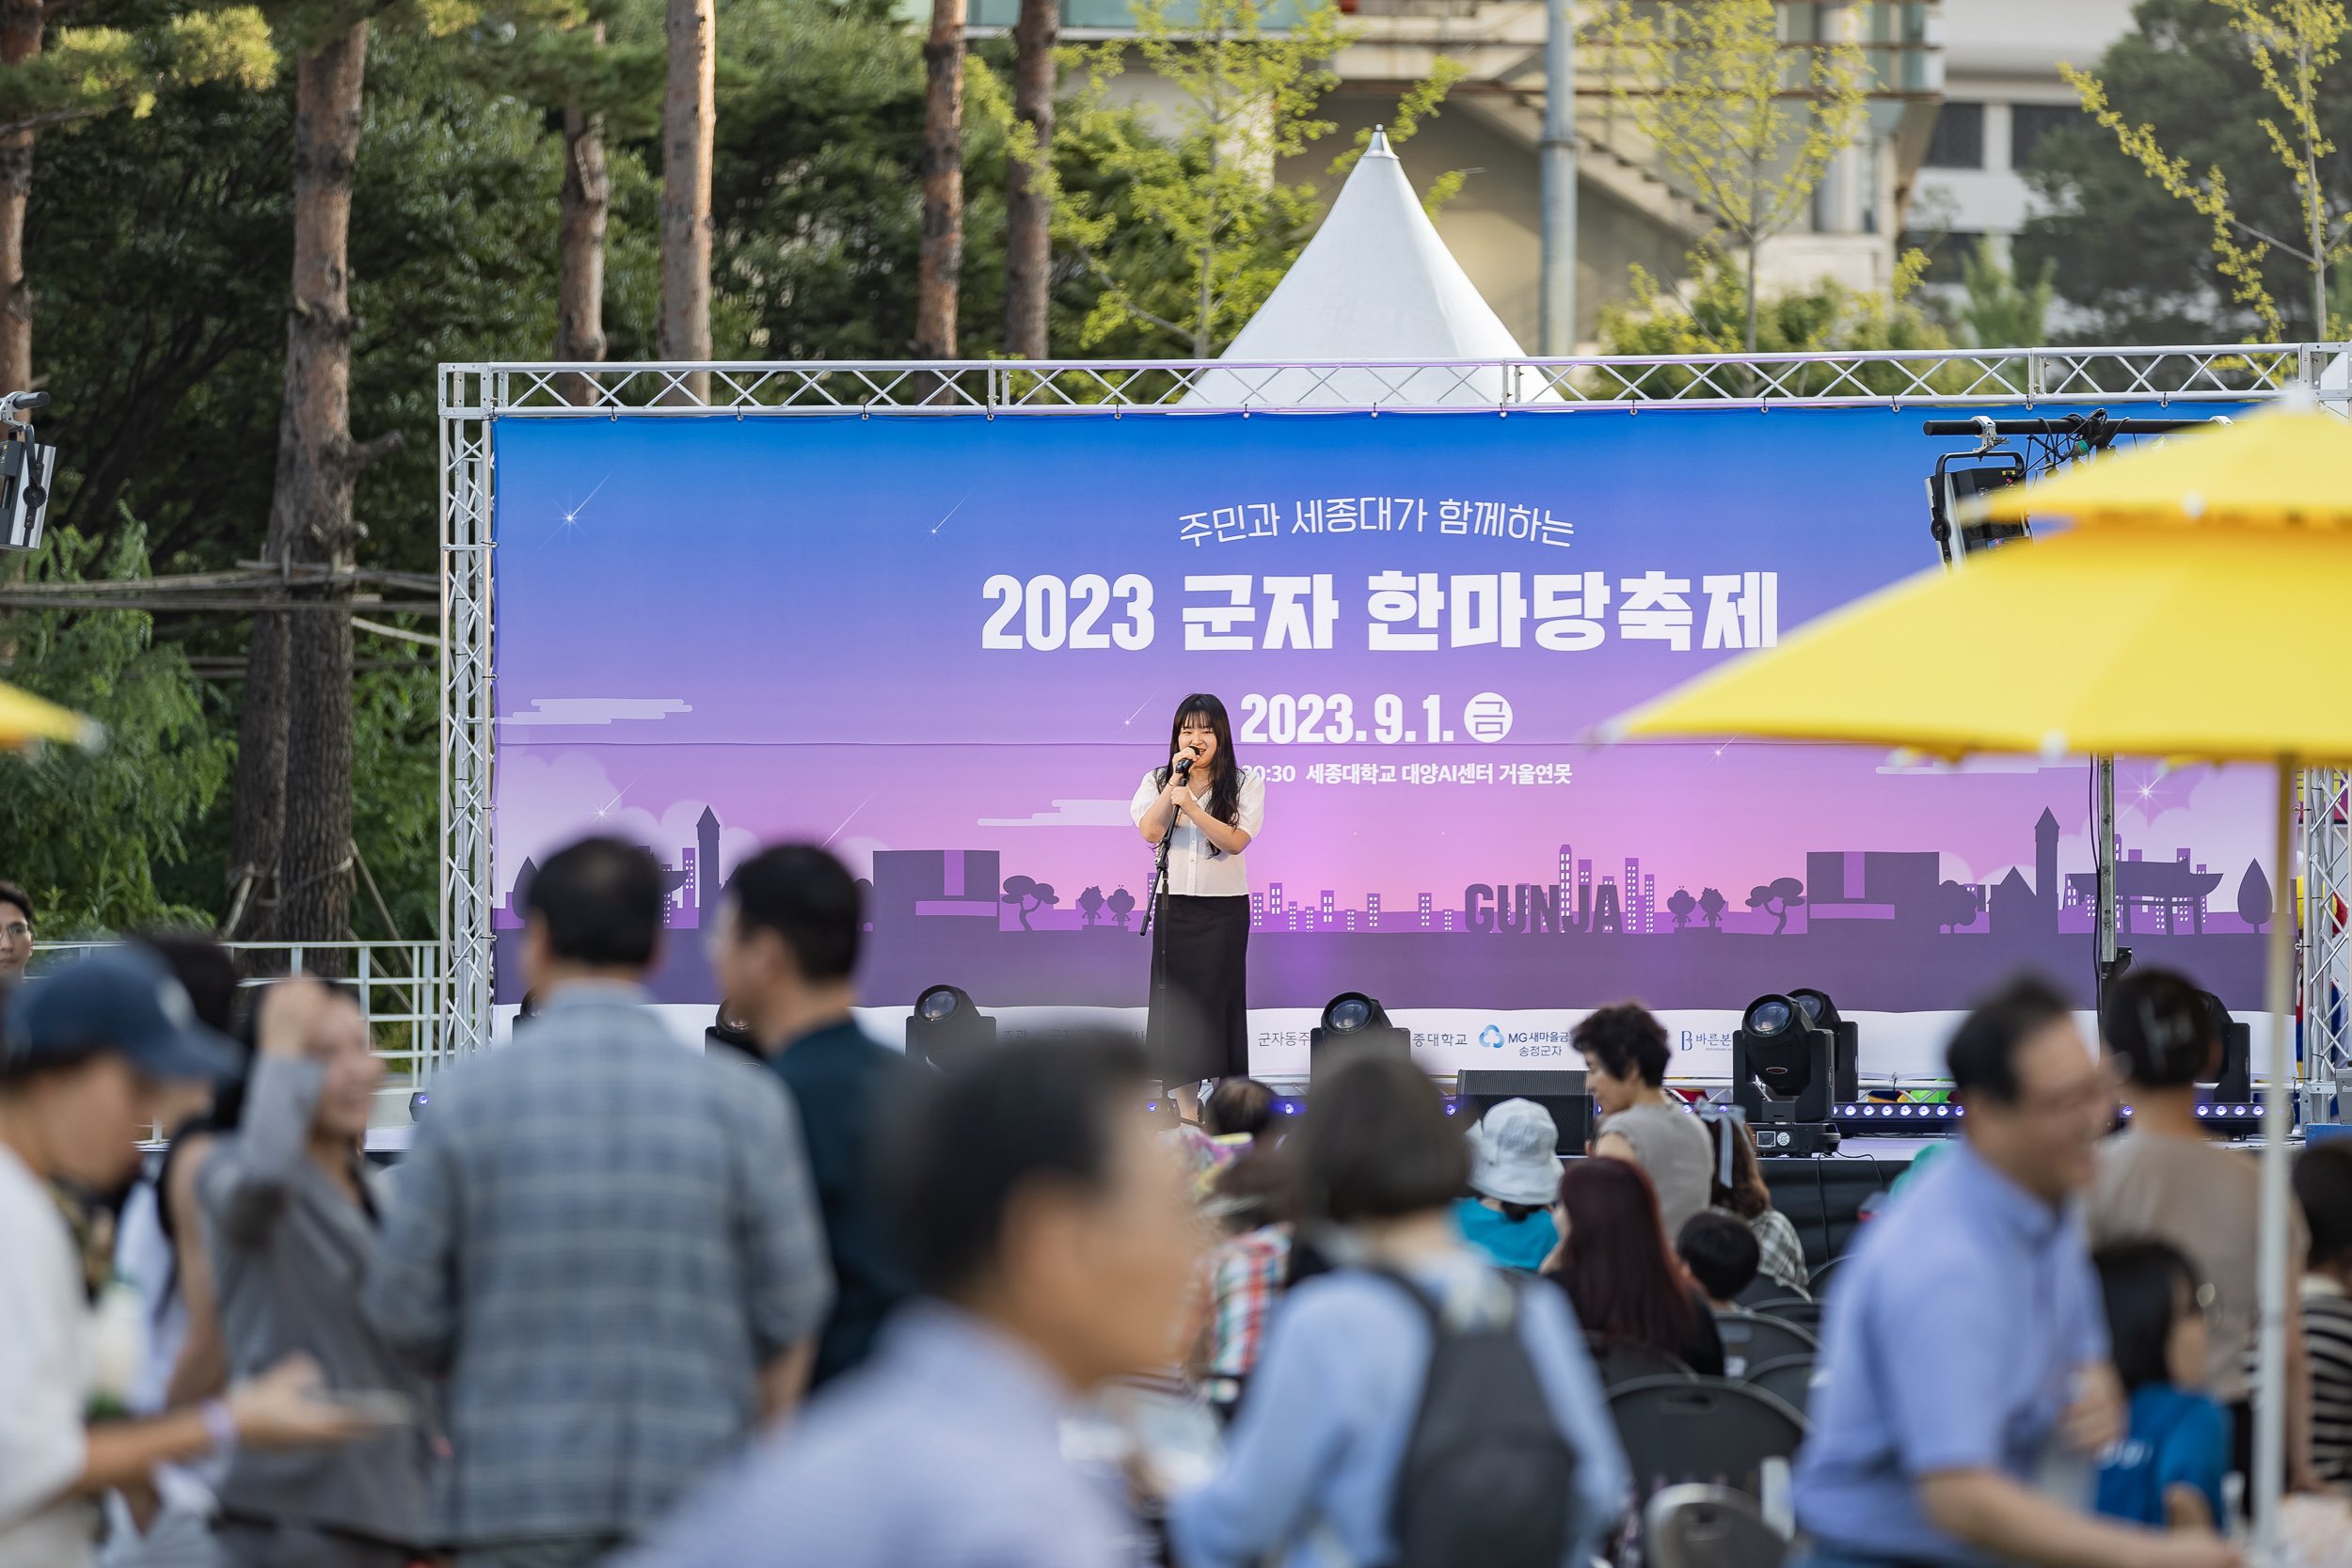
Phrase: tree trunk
(689,125)
(20,43)
(579,287)
(1028,215)
(259,823)
(317,468)
(942,271)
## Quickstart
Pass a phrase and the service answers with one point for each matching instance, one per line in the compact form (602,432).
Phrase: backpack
(1487,1475)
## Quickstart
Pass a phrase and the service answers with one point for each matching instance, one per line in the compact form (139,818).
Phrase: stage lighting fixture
(1846,1054)
(1906,1119)
(1354,1023)
(1949,487)
(945,1025)
(1778,1043)
(2237,1083)
(25,467)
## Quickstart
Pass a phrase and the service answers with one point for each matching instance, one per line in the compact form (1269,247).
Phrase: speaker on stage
(1560,1092)
(2237,1083)
(1352,1025)
(945,1025)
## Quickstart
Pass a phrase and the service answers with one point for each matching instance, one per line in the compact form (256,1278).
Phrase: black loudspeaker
(1562,1093)
(2237,1083)
(944,1025)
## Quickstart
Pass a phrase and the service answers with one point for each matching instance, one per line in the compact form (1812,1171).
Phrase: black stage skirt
(1200,1025)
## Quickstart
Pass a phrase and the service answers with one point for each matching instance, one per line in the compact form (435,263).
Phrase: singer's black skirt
(1199,1023)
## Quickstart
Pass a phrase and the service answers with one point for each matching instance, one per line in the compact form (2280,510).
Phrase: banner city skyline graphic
(949,650)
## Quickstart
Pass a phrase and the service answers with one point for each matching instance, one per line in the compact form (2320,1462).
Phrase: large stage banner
(949,647)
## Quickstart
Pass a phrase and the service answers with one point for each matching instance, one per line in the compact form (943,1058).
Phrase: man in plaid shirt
(608,1244)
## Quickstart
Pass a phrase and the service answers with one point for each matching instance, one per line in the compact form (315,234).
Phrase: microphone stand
(1159,870)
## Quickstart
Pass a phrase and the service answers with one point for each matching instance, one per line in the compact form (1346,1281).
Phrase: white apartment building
(2001,92)
(1991,66)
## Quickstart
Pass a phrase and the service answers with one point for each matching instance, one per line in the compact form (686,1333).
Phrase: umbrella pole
(2271,1366)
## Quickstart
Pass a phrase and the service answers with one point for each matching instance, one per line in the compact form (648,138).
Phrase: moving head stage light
(1787,1069)
(1989,468)
(944,1025)
(1354,1023)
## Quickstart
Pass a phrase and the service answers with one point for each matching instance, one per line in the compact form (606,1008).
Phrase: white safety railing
(400,986)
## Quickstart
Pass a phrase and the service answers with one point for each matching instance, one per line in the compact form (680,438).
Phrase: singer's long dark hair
(1225,787)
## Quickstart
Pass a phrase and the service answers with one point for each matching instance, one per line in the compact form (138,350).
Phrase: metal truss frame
(474,396)
(2324,804)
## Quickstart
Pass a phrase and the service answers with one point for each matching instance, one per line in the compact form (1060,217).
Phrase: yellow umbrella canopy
(2290,468)
(25,717)
(2169,643)
(2176,620)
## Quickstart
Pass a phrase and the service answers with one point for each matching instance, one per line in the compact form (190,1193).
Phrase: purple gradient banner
(949,648)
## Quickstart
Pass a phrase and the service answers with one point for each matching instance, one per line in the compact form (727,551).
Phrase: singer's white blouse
(1196,869)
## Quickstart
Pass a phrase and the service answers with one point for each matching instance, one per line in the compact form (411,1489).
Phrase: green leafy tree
(2136,264)
(1711,87)
(1722,315)
(1999,312)
(816,193)
(1199,173)
(166,329)
(87,831)
(2290,46)
(72,75)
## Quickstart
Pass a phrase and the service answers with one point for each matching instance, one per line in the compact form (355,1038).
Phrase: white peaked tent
(1375,283)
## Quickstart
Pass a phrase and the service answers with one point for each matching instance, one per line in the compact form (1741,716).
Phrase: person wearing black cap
(87,1052)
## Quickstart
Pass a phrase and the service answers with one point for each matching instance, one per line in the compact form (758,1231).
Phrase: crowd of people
(799,1300)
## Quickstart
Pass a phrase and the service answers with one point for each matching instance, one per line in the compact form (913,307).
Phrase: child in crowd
(1722,1254)
(2323,1183)
(2168,1469)
(1515,1178)
(1241,1277)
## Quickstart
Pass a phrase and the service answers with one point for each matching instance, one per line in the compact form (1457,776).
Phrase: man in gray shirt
(1050,1230)
(607,1241)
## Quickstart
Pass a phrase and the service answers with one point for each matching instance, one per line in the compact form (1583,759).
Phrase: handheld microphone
(1183,767)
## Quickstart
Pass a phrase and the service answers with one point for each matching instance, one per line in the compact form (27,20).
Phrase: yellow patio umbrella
(2172,622)
(26,719)
(2288,467)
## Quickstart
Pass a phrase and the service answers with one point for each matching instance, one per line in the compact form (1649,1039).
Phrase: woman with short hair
(1310,1470)
(1625,1053)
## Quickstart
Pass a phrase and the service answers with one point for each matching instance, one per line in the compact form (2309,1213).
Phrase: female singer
(1199,1023)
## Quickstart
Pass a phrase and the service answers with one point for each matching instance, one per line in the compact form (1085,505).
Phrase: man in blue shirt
(1969,1389)
(788,939)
